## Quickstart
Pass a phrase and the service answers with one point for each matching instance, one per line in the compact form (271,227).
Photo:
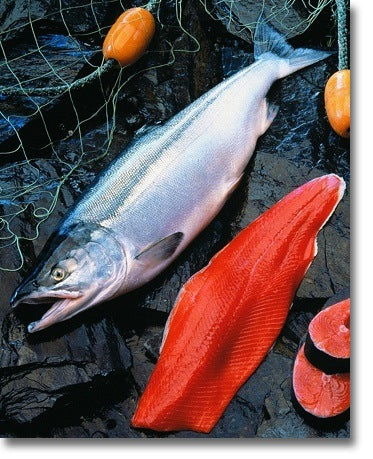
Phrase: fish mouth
(41,297)
(61,310)
(67,305)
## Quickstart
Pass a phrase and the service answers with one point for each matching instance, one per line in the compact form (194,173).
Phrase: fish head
(80,266)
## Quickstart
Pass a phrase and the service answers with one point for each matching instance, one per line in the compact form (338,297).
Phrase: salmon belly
(229,314)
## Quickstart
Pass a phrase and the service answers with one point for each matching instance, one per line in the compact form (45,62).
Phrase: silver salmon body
(147,206)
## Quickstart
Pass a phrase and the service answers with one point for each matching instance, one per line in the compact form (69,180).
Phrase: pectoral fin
(160,250)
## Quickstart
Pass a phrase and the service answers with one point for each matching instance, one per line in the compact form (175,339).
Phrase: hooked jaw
(67,305)
(82,266)
(61,310)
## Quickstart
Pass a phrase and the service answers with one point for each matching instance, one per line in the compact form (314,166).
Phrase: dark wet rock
(42,126)
(240,16)
(341,295)
(41,59)
(45,373)
(39,374)
(62,46)
(82,18)
(282,419)
(271,178)
(48,372)
(83,378)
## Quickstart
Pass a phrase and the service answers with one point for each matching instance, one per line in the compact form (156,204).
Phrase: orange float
(337,102)
(129,37)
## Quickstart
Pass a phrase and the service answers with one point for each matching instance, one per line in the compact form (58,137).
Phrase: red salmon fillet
(229,314)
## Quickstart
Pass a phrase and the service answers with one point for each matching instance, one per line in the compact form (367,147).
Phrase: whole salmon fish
(147,206)
(229,314)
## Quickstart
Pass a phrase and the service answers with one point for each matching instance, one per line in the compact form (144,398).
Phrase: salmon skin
(161,191)
(328,339)
(229,314)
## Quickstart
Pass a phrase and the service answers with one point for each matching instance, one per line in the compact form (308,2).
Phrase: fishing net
(290,17)
(56,88)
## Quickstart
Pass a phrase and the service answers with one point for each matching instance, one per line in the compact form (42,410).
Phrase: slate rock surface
(240,16)
(85,376)
(75,16)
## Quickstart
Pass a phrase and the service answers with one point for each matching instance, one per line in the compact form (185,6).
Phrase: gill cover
(80,266)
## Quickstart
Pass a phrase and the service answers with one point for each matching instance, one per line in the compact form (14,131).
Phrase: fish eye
(58,274)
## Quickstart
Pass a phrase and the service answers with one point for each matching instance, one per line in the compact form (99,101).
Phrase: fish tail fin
(269,42)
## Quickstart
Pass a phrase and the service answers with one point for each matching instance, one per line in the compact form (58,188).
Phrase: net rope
(27,188)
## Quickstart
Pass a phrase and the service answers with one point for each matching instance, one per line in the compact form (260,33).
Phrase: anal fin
(269,112)
(234,184)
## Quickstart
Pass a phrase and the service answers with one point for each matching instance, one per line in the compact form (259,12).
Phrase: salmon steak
(328,339)
(229,314)
(322,399)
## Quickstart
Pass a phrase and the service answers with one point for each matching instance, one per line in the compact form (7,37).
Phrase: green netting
(36,192)
(291,17)
(28,187)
